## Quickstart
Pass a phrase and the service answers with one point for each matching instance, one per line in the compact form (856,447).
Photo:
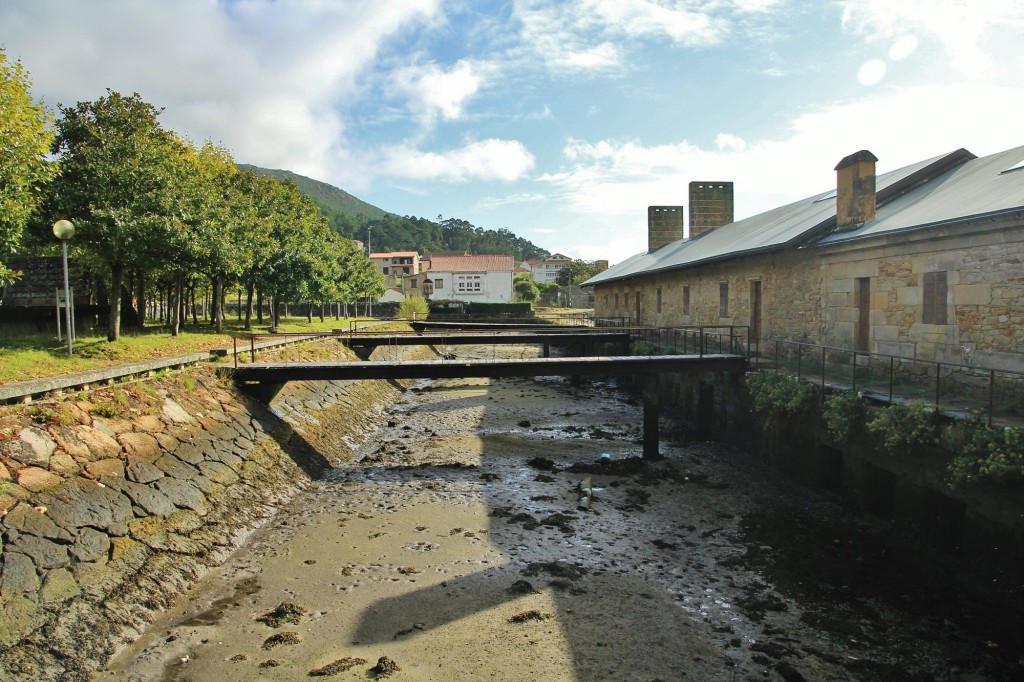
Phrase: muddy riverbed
(507,530)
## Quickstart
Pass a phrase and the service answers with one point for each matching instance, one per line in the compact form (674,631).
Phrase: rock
(143,472)
(113,426)
(21,616)
(37,480)
(82,502)
(96,580)
(64,465)
(58,586)
(18,576)
(103,468)
(45,553)
(149,531)
(167,442)
(29,520)
(176,413)
(5,474)
(148,423)
(87,443)
(140,447)
(149,498)
(37,447)
(7,502)
(183,494)
(218,472)
(130,553)
(190,452)
(91,545)
(175,468)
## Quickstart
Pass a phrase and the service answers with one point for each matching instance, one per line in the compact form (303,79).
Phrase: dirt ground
(507,530)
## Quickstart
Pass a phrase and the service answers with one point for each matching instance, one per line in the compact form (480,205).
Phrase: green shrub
(985,454)
(780,397)
(115,406)
(845,415)
(904,428)
(413,307)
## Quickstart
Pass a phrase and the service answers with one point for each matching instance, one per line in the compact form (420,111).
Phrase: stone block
(148,423)
(183,494)
(64,465)
(885,332)
(28,519)
(140,447)
(45,553)
(91,545)
(37,447)
(88,503)
(59,585)
(909,295)
(113,468)
(175,413)
(18,576)
(149,498)
(38,480)
(143,472)
(843,286)
(175,468)
(972,294)
(20,617)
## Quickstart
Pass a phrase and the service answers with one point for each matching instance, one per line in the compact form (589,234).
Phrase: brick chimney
(664,226)
(855,190)
(711,206)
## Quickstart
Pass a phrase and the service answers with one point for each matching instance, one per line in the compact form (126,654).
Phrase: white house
(474,279)
(546,271)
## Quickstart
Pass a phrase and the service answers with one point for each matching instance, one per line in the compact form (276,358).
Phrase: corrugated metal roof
(485,263)
(962,184)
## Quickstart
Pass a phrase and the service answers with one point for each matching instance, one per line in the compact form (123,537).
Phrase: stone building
(926,262)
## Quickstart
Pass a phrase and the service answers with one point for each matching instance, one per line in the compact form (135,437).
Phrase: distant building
(546,271)
(395,265)
(484,279)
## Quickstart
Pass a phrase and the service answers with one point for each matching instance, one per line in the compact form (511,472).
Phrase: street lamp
(65,230)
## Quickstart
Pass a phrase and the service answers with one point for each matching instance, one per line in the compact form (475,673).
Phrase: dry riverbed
(507,530)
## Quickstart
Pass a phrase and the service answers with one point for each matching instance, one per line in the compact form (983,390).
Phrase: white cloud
(260,77)
(435,91)
(492,159)
(730,142)
(903,48)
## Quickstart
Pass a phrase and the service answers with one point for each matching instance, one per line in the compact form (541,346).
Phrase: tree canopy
(26,134)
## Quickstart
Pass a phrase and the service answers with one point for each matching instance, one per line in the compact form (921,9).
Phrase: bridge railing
(692,340)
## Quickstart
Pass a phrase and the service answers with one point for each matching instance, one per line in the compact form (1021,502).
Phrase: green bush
(904,428)
(985,454)
(780,397)
(413,307)
(845,415)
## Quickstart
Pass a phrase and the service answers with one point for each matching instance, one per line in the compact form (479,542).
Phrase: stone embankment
(114,502)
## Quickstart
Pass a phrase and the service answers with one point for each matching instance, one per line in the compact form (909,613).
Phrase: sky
(560,120)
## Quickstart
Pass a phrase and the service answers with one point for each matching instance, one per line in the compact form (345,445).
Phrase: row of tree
(153,210)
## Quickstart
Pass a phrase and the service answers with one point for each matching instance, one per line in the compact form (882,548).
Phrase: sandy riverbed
(458,549)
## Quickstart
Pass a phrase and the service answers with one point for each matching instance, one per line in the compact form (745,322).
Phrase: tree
(118,171)
(525,287)
(576,272)
(26,135)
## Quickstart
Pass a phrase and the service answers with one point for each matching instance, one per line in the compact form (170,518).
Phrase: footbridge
(266,379)
(363,344)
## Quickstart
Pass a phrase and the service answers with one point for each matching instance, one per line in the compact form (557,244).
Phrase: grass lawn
(30,356)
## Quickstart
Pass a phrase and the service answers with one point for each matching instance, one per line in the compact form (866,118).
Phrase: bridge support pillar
(547,349)
(652,411)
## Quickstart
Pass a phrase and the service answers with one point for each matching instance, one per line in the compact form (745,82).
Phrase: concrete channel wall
(115,501)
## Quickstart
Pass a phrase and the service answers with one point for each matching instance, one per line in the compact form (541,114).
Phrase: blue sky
(561,120)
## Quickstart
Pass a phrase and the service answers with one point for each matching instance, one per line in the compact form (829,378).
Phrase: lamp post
(65,230)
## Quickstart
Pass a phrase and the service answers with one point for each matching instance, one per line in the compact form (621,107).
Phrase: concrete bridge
(266,379)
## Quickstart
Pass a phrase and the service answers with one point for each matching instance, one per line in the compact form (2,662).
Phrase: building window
(723,299)
(686,300)
(385,270)
(616,301)
(412,283)
(438,283)
(933,310)
(469,284)
(659,299)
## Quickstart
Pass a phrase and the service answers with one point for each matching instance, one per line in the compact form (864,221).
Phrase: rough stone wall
(106,519)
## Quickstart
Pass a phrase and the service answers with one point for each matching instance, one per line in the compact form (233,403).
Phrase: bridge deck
(485,338)
(280,373)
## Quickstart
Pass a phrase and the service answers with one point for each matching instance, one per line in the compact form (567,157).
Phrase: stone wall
(115,502)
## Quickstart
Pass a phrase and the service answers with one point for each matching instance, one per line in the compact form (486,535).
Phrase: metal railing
(994,395)
(695,340)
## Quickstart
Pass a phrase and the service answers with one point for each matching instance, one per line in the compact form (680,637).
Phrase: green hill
(351,217)
(331,200)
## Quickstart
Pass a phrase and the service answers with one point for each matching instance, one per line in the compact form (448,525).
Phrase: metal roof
(950,186)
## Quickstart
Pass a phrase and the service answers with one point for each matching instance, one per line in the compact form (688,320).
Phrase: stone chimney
(711,206)
(664,226)
(855,190)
